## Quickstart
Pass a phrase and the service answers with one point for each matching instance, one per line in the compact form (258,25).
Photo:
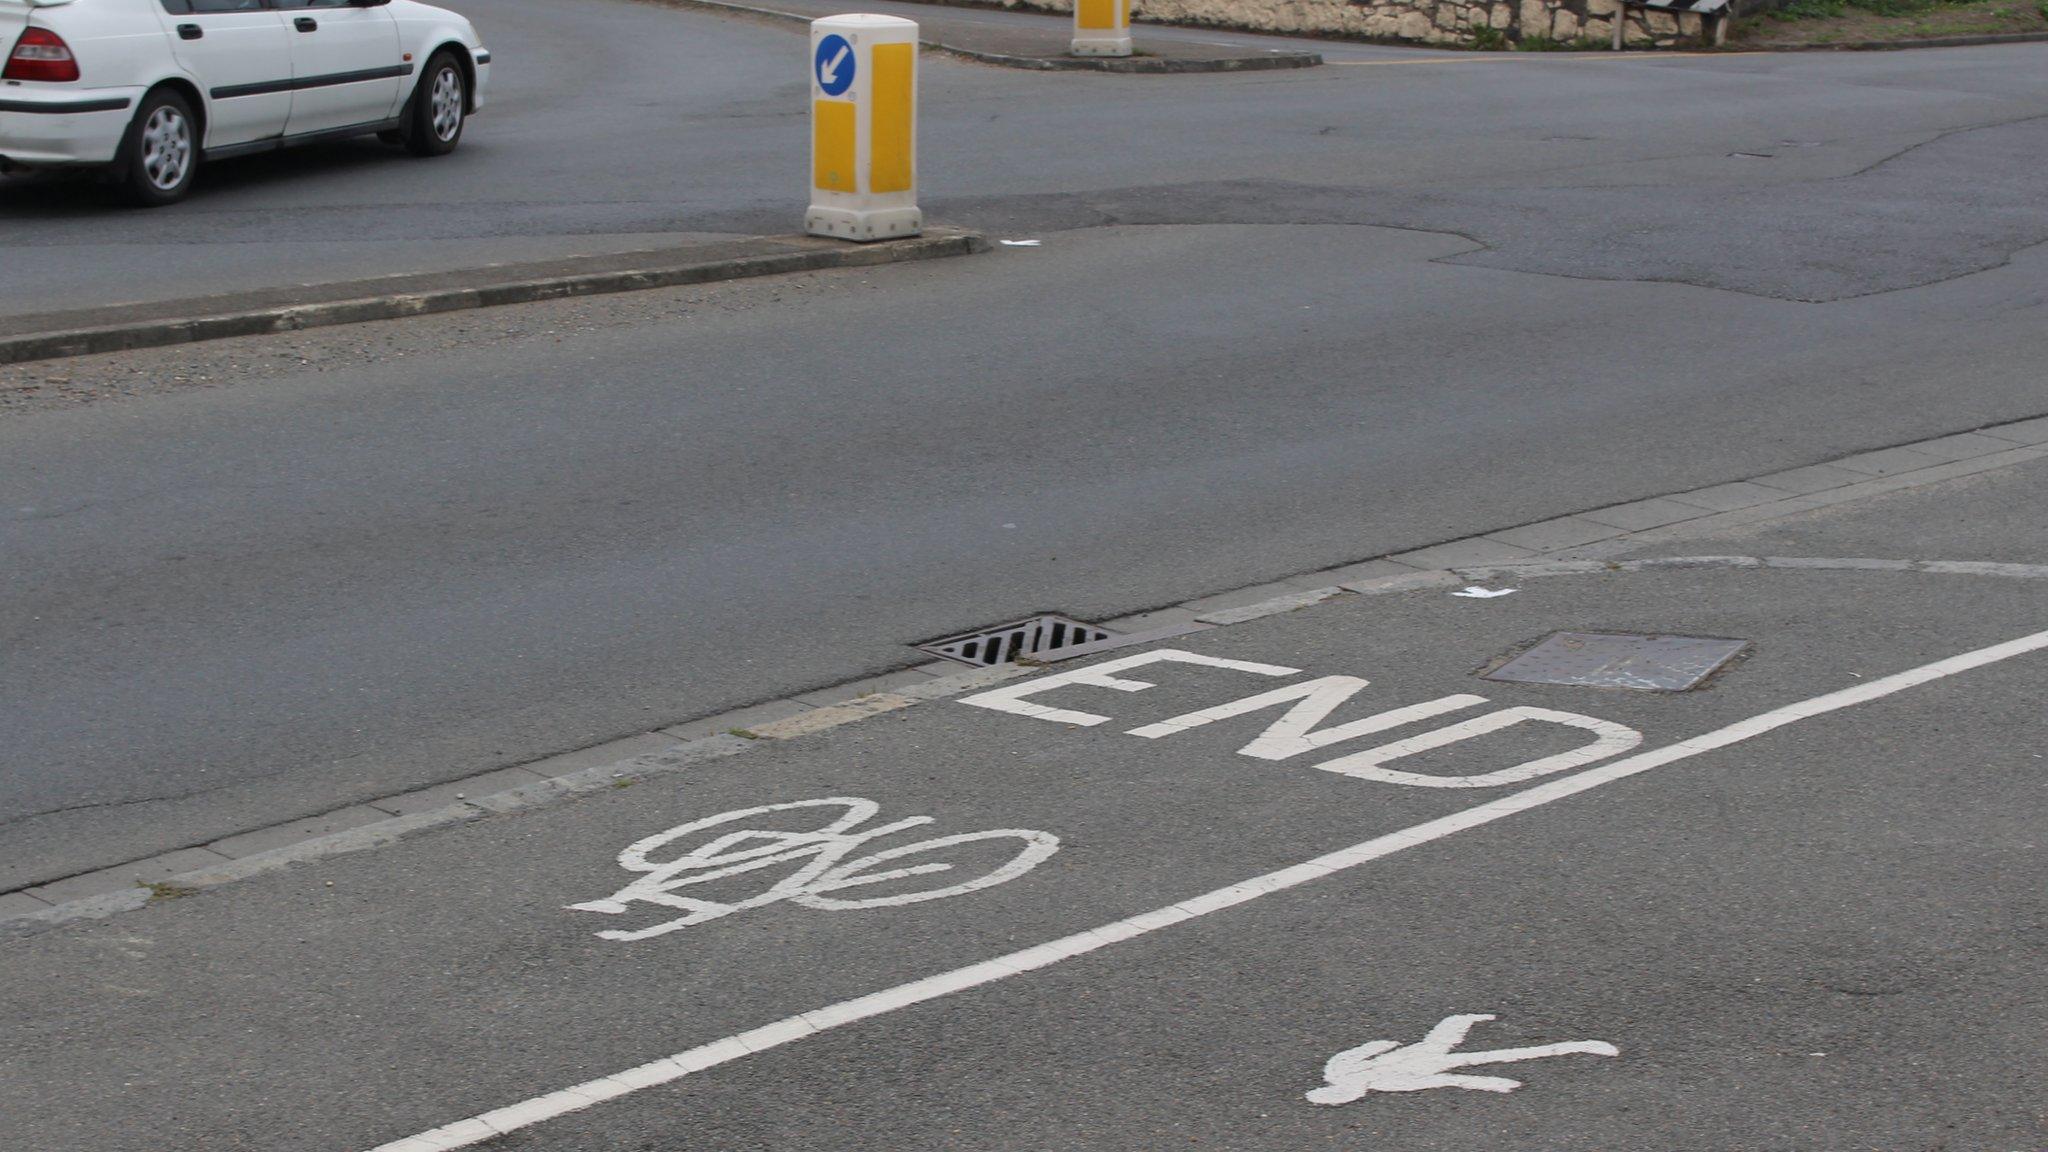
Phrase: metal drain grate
(1010,641)
(1619,660)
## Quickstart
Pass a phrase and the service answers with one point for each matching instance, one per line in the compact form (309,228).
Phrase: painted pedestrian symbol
(1384,1066)
(826,878)
(834,65)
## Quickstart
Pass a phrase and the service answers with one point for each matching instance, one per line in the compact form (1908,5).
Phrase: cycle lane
(372,998)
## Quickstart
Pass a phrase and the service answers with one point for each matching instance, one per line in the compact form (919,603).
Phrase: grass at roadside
(1822,22)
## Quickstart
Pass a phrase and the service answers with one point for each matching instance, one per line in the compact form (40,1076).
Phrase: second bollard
(1102,28)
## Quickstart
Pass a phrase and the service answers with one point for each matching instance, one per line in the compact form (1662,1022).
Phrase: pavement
(1801,910)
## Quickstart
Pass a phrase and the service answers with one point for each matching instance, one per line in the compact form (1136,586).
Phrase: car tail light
(40,54)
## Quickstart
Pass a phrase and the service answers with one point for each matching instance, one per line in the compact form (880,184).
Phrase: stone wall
(1468,22)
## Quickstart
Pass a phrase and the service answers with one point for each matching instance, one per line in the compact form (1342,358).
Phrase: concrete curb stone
(163,332)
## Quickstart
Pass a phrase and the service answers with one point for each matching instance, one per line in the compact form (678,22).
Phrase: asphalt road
(614,124)
(1823,936)
(610,125)
(1280,321)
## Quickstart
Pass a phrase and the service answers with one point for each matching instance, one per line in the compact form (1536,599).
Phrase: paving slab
(1813,478)
(21,904)
(1642,514)
(1550,535)
(456,791)
(1366,570)
(1887,461)
(866,686)
(1459,553)
(742,719)
(126,876)
(569,763)
(1145,621)
(1240,597)
(279,835)
(1962,447)
(2022,432)
(1729,497)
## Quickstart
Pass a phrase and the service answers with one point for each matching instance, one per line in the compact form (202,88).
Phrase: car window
(225,5)
(311,3)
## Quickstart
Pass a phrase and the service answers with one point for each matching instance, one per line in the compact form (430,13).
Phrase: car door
(347,68)
(239,53)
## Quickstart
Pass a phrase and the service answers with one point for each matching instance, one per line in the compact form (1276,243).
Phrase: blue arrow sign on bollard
(834,65)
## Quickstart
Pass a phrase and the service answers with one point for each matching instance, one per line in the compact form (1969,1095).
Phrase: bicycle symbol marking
(827,871)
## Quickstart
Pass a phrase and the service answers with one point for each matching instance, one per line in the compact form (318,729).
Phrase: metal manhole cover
(1618,660)
(1009,641)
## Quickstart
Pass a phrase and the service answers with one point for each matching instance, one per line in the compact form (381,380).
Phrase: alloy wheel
(446,103)
(166,148)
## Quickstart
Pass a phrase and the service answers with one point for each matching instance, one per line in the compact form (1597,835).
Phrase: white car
(148,88)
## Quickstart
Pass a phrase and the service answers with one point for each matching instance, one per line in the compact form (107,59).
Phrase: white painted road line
(477,1129)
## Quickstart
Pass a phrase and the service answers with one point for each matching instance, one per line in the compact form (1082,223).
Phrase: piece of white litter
(1020,243)
(1475,592)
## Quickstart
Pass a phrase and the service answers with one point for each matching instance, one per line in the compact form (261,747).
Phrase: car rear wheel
(160,154)
(434,118)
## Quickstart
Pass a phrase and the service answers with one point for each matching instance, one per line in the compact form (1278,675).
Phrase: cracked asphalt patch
(1904,222)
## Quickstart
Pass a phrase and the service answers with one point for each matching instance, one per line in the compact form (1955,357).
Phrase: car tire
(435,116)
(160,154)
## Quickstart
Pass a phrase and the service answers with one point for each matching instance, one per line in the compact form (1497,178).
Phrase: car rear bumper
(41,128)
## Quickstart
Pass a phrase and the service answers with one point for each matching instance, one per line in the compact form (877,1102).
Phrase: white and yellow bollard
(863,128)
(1102,28)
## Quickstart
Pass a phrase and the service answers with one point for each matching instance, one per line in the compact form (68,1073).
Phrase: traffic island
(49,335)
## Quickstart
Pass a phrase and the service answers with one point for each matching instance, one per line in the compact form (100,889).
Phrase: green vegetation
(1487,38)
(1824,22)
(1831,9)
(1582,44)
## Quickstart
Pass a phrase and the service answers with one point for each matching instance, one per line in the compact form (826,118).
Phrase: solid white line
(483,1127)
